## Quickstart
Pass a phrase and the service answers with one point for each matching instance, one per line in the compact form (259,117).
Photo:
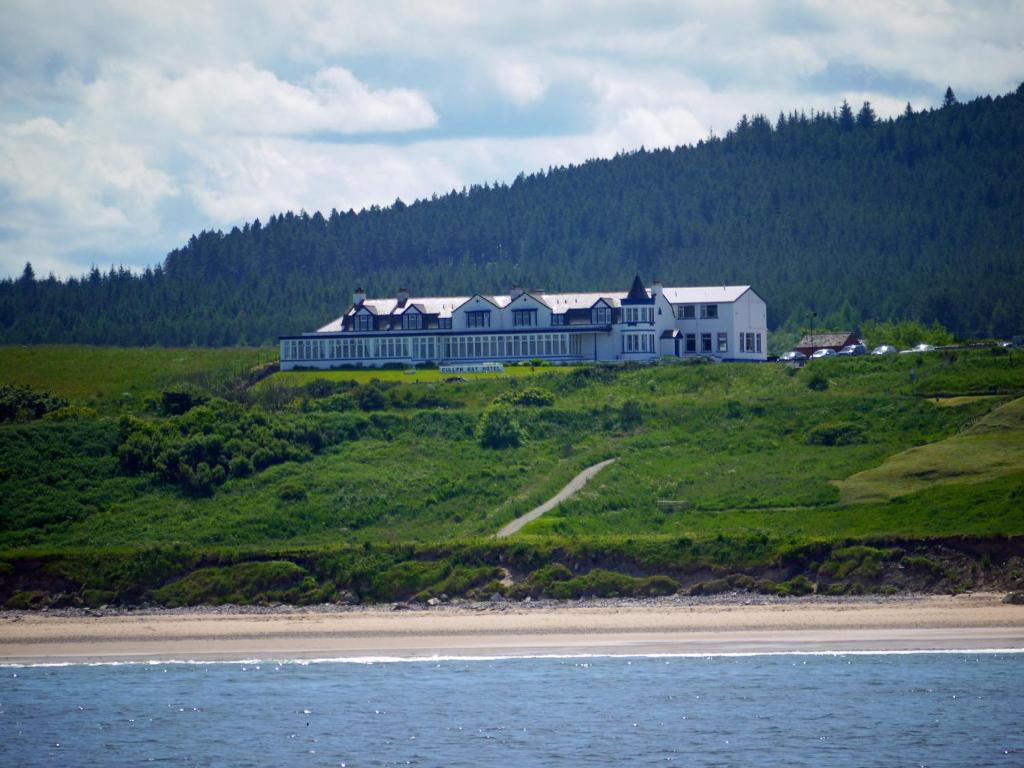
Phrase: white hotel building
(726,322)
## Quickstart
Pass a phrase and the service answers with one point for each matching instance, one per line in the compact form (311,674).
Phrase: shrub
(269,581)
(21,403)
(836,434)
(180,400)
(817,381)
(630,414)
(291,492)
(370,398)
(499,428)
(531,396)
(70,412)
(241,466)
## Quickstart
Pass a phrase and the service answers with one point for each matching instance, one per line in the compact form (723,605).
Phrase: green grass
(116,377)
(746,459)
(990,449)
(296,379)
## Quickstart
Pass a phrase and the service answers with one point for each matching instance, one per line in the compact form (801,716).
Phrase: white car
(918,348)
(822,353)
(793,356)
(885,349)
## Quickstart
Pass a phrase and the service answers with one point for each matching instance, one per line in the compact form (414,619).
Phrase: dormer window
(557,319)
(444,322)
(412,321)
(364,321)
(601,315)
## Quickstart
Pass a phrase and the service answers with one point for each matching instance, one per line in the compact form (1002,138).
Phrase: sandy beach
(670,625)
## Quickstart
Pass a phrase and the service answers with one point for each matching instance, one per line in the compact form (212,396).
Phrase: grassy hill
(308,487)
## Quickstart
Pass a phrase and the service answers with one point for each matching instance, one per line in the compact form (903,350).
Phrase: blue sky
(126,127)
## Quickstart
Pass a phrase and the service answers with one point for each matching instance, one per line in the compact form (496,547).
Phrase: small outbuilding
(812,342)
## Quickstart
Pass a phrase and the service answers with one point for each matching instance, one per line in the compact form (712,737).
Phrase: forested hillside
(838,214)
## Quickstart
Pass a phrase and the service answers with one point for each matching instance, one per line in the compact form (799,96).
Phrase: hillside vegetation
(307,487)
(835,218)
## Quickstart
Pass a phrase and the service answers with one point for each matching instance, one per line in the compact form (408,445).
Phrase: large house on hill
(728,322)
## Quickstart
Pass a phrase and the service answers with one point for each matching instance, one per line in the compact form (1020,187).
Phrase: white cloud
(111,114)
(521,83)
(244,99)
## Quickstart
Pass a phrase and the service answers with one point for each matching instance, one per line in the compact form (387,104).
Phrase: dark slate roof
(637,292)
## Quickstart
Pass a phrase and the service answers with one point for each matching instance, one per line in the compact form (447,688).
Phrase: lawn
(117,377)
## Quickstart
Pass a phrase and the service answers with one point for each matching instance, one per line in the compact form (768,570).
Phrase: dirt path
(573,485)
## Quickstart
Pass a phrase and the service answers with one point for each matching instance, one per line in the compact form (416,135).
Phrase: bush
(370,398)
(252,582)
(499,428)
(20,403)
(240,466)
(836,434)
(630,414)
(180,400)
(816,381)
(291,492)
(69,412)
(531,396)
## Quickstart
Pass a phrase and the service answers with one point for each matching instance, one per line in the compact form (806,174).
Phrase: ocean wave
(370,660)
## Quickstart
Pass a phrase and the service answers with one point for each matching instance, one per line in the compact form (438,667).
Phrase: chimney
(537,291)
(517,291)
(402,296)
(358,296)
(656,289)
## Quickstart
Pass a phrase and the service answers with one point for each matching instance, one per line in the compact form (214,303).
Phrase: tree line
(838,216)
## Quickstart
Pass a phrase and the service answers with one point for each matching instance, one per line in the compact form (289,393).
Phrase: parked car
(822,353)
(884,349)
(918,348)
(852,350)
(793,356)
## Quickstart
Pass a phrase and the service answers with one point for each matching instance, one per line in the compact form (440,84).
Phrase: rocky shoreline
(496,604)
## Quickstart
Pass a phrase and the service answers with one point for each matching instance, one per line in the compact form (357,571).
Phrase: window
(364,321)
(723,342)
(524,317)
(638,314)
(637,342)
(686,312)
(412,321)
(750,342)
(705,342)
(444,322)
(481,319)
(691,342)
(558,319)
(601,315)
(708,311)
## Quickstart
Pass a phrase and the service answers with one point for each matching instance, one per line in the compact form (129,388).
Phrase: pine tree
(866,116)
(949,100)
(846,120)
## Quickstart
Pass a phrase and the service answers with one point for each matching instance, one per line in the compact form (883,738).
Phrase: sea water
(930,709)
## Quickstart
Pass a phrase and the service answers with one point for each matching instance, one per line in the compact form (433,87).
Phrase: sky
(127,126)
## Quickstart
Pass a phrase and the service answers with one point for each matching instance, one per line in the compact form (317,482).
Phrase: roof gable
(477,296)
(526,298)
